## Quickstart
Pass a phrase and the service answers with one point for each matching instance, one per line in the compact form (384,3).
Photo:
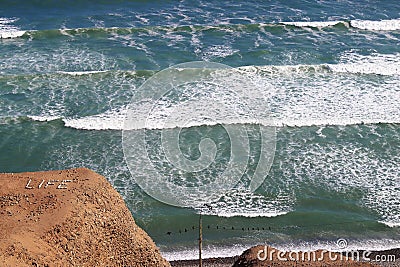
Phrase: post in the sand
(200,240)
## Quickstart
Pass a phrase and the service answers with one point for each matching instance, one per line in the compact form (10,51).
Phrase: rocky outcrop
(69,218)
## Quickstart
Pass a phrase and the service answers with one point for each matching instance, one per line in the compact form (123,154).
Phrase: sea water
(69,69)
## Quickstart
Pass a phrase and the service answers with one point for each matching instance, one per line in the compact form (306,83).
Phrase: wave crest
(373,25)
(8,31)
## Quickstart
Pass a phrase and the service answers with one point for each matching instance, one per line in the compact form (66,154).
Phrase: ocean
(329,70)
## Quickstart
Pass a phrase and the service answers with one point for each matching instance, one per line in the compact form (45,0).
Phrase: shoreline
(229,261)
(214,262)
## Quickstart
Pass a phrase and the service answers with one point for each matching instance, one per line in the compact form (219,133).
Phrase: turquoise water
(331,70)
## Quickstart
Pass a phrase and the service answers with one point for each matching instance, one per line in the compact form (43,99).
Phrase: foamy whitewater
(7,30)
(324,76)
(231,251)
(371,25)
(295,110)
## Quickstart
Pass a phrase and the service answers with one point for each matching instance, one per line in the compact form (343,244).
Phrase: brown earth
(69,218)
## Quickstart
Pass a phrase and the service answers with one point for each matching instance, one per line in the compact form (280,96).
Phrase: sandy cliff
(69,218)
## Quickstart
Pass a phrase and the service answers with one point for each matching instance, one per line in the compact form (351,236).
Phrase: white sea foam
(111,120)
(332,121)
(316,24)
(8,34)
(61,58)
(382,64)
(297,98)
(391,224)
(238,249)
(373,25)
(115,121)
(44,118)
(207,252)
(343,167)
(217,51)
(243,212)
(243,203)
(7,30)
(80,73)
(352,245)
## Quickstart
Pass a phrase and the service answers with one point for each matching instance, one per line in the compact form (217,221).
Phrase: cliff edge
(69,218)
